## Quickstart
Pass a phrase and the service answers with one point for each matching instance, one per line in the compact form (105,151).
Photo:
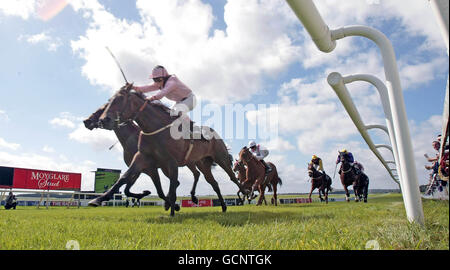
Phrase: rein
(141,109)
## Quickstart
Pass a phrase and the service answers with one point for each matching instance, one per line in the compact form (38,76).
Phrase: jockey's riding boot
(268,169)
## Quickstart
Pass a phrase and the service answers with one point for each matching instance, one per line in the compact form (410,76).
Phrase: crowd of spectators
(439,170)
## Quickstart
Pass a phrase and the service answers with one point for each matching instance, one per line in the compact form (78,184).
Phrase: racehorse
(349,177)
(128,135)
(239,167)
(320,181)
(256,176)
(157,148)
(362,187)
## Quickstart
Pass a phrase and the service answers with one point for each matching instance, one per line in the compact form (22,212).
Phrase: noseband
(136,114)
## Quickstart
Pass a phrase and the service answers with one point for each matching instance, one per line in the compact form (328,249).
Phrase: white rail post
(407,165)
(325,41)
(440,9)
(336,81)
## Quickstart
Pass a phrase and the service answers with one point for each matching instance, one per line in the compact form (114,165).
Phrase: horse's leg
(196,174)
(356,191)
(261,194)
(130,175)
(258,185)
(274,187)
(347,196)
(130,183)
(154,175)
(366,189)
(312,189)
(170,169)
(224,162)
(205,167)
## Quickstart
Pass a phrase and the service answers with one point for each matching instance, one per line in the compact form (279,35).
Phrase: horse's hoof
(94,203)
(224,208)
(177,207)
(146,192)
(166,206)
(194,199)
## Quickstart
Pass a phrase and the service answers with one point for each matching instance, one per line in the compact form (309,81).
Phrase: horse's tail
(279,181)
(329,182)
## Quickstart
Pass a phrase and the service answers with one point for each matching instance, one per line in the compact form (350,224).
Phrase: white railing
(325,40)
(337,82)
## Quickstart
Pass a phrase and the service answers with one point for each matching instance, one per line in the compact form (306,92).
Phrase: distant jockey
(260,153)
(348,156)
(317,163)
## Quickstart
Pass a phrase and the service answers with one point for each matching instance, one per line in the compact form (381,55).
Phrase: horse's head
(238,165)
(92,121)
(311,169)
(244,154)
(123,106)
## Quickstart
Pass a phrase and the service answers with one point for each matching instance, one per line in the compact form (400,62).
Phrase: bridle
(343,160)
(135,116)
(312,170)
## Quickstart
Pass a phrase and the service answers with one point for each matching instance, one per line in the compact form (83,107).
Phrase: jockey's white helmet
(251,144)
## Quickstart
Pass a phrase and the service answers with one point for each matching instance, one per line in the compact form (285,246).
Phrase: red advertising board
(39,179)
(304,200)
(201,203)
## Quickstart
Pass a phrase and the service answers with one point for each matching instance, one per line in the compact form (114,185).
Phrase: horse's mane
(156,104)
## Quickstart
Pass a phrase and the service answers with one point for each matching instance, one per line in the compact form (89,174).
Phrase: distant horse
(128,135)
(256,176)
(239,167)
(158,149)
(349,177)
(362,187)
(320,181)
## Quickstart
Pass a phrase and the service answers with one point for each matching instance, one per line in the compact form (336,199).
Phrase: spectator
(11,201)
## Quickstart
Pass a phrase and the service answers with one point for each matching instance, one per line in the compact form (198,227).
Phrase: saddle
(195,132)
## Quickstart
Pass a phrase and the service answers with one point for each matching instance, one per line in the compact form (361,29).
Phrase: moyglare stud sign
(48,180)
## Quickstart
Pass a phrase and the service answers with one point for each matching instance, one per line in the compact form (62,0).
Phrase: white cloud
(48,149)
(65,119)
(43,38)
(21,8)
(222,67)
(8,145)
(98,139)
(3,116)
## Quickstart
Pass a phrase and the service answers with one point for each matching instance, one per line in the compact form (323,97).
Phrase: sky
(252,54)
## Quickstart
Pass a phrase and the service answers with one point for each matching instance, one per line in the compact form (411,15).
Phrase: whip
(334,174)
(117,62)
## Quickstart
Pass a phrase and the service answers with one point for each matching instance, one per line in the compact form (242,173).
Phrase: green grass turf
(336,226)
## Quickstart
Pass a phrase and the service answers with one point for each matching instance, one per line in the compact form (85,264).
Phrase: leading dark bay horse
(256,176)
(320,181)
(349,177)
(128,135)
(158,149)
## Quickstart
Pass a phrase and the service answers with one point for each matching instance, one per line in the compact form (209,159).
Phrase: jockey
(260,153)
(348,156)
(317,163)
(171,88)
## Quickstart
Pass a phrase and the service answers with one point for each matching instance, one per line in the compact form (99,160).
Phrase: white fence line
(325,40)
